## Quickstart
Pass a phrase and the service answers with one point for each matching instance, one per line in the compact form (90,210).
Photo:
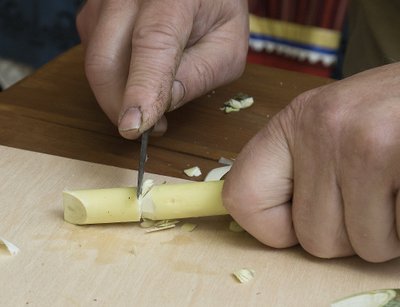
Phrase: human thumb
(160,34)
(258,189)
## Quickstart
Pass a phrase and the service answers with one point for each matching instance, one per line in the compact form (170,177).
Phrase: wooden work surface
(54,112)
(120,265)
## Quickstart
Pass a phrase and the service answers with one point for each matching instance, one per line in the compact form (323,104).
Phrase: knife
(142,160)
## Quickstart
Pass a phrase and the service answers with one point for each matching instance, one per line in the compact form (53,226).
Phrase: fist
(325,171)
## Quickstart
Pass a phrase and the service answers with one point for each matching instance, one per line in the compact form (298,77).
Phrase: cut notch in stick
(176,201)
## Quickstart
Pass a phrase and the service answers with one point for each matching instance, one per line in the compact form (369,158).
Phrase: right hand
(146,57)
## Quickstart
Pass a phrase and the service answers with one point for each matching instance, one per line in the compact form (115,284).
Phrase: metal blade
(142,160)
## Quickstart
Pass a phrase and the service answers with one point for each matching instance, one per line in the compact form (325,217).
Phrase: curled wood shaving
(9,247)
(218,173)
(238,102)
(374,298)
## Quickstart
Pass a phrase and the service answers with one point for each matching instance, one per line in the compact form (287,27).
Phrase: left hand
(325,171)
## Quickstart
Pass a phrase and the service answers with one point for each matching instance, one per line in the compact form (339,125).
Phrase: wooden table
(54,112)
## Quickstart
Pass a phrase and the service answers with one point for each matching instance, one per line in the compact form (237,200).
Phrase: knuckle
(373,142)
(152,84)
(157,35)
(115,6)
(100,69)
(239,66)
(325,111)
(324,104)
(292,118)
(116,3)
(205,73)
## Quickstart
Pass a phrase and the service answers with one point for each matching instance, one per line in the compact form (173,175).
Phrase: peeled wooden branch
(101,206)
(166,201)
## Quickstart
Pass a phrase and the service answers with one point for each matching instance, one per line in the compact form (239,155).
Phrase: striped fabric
(306,30)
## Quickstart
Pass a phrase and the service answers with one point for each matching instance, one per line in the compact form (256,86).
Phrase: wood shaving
(163,225)
(218,173)
(238,102)
(193,171)
(9,247)
(225,161)
(228,109)
(244,275)
(374,298)
(146,187)
(154,229)
(166,223)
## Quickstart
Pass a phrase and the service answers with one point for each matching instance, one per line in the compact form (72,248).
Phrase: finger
(216,59)
(258,189)
(370,220)
(318,215)
(318,211)
(86,19)
(160,35)
(369,190)
(160,127)
(317,202)
(108,54)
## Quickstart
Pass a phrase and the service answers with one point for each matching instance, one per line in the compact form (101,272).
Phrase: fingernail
(178,93)
(131,120)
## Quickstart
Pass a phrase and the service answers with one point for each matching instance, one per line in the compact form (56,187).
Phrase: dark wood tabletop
(54,111)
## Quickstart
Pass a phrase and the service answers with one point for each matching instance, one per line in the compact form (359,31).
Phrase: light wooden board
(120,265)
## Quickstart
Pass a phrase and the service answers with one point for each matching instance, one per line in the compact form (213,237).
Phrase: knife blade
(142,160)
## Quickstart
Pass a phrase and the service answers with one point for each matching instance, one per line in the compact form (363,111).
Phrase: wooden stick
(166,201)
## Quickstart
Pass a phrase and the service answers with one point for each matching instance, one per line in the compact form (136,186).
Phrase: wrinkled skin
(328,171)
(146,57)
(323,173)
